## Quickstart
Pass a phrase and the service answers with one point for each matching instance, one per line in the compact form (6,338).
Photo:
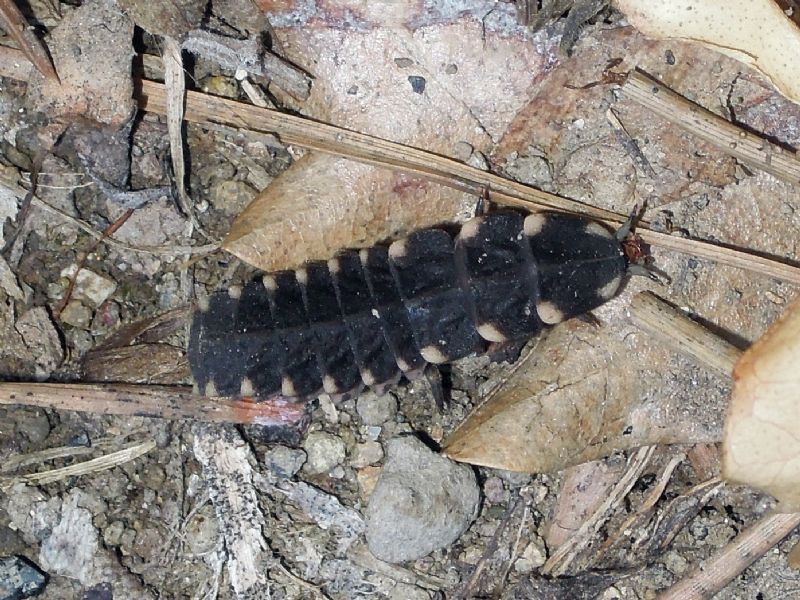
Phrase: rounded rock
(376,410)
(421,503)
(324,451)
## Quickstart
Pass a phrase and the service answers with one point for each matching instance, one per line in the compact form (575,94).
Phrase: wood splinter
(162,402)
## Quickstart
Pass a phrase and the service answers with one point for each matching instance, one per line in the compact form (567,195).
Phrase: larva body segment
(366,317)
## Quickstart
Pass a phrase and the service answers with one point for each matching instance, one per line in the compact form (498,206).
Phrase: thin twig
(560,560)
(719,571)
(748,147)
(162,402)
(111,241)
(85,255)
(14,23)
(672,327)
(100,463)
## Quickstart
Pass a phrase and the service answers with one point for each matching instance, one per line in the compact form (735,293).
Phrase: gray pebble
(368,453)
(283,462)
(376,410)
(324,452)
(20,578)
(421,503)
(77,315)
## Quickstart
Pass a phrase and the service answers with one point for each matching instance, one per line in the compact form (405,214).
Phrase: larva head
(580,264)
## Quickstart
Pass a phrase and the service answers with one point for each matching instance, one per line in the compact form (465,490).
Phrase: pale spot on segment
(269,283)
(534,223)
(334,266)
(471,228)
(195,389)
(329,385)
(363,254)
(397,249)
(211,389)
(367,377)
(302,276)
(246,388)
(203,304)
(608,290)
(287,387)
(235,292)
(402,365)
(549,313)
(433,355)
(490,333)
(593,228)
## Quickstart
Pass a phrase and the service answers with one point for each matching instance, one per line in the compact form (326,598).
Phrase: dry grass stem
(734,558)
(100,463)
(672,327)
(560,561)
(163,402)
(747,147)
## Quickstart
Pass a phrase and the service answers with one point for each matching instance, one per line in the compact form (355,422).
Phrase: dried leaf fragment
(755,32)
(580,394)
(761,446)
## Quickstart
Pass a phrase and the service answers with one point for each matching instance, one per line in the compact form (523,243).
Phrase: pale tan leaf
(762,433)
(755,32)
(581,394)
(325,203)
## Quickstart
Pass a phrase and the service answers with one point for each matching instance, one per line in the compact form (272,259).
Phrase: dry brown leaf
(580,395)
(761,445)
(755,32)
(413,76)
(310,211)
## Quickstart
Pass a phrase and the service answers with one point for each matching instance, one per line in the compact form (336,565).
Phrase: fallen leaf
(412,76)
(761,446)
(579,395)
(755,32)
(310,212)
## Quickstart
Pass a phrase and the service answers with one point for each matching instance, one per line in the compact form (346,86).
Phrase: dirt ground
(151,527)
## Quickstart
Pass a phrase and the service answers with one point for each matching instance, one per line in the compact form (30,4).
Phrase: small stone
(421,503)
(494,490)
(376,410)
(324,452)
(231,197)
(463,150)
(106,318)
(417,83)
(77,315)
(451,69)
(113,533)
(366,454)
(676,563)
(404,62)
(532,557)
(80,342)
(367,480)
(90,286)
(20,578)
(283,462)
(471,555)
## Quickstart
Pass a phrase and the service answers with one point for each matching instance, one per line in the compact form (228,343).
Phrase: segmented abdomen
(369,316)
